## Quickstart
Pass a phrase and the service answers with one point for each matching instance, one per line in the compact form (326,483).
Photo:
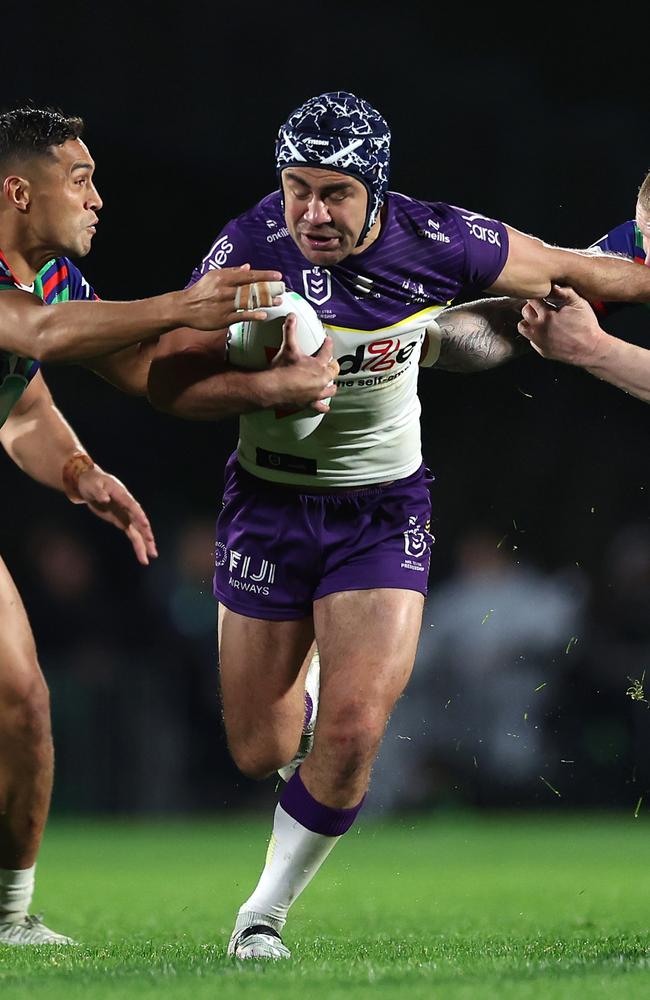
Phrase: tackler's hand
(562,327)
(110,500)
(231,295)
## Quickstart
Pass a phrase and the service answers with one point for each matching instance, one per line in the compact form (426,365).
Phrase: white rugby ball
(254,344)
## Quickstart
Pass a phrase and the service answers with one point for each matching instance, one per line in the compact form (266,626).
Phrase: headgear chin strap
(341,132)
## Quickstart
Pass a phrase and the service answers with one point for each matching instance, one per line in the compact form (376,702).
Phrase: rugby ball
(254,343)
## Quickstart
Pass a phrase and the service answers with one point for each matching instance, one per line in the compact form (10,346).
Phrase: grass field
(461,908)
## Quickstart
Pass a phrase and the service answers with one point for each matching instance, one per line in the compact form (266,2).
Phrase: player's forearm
(75,331)
(601,277)
(480,335)
(624,365)
(533,267)
(181,386)
(40,442)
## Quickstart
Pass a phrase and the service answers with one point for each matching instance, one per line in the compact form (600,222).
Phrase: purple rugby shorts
(279,550)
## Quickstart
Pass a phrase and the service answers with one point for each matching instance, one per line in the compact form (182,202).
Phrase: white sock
(16,891)
(294,856)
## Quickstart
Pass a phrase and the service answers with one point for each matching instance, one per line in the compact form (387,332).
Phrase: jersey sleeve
(80,289)
(231,248)
(7,280)
(486,246)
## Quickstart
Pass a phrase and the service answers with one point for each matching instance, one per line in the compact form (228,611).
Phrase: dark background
(544,127)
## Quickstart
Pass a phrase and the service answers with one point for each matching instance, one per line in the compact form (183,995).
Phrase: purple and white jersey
(375,305)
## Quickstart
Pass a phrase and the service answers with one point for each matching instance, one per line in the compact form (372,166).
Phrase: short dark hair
(27,132)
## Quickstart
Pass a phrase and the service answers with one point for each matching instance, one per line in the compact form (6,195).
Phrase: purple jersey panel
(426,254)
(279,550)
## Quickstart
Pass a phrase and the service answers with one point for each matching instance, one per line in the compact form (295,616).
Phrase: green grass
(461,908)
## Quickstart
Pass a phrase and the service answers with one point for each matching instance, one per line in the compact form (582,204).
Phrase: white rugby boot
(312,685)
(257,940)
(30,930)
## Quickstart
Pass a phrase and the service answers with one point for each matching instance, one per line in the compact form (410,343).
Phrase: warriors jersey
(375,305)
(58,281)
(626,240)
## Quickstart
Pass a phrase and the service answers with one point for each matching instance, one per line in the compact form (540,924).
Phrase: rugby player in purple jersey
(49,313)
(327,537)
(572,332)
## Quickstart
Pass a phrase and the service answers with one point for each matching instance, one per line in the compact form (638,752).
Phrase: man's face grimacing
(64,201)
(325,212)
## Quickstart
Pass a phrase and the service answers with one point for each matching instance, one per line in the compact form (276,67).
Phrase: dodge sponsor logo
(378,356)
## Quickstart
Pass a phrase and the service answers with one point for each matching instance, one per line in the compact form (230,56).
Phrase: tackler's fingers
(242,296)
(265,293)
(259,295)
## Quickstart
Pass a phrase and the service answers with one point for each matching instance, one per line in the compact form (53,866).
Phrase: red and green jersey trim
(58,281)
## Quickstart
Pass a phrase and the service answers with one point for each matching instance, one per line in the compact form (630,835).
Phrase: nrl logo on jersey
(317,284)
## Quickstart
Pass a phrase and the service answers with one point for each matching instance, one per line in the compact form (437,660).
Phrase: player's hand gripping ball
(254,344)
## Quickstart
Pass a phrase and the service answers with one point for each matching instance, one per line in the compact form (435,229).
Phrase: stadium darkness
(181,111)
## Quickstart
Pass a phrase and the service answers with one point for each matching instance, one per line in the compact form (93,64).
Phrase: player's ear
(17,190)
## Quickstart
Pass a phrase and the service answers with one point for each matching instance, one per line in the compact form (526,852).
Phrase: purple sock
(303,807)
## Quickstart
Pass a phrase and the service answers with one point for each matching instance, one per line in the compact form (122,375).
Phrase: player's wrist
(263,389)
(176,308)
(73,468)
(600,350)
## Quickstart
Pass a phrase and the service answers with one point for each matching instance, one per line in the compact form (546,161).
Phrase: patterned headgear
(339,131)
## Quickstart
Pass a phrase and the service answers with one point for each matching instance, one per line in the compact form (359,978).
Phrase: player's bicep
(20,314)
(36,394)
(35,401)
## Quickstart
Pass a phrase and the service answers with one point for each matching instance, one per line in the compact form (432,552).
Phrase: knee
(25,708)
(353,733)
(258,760)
